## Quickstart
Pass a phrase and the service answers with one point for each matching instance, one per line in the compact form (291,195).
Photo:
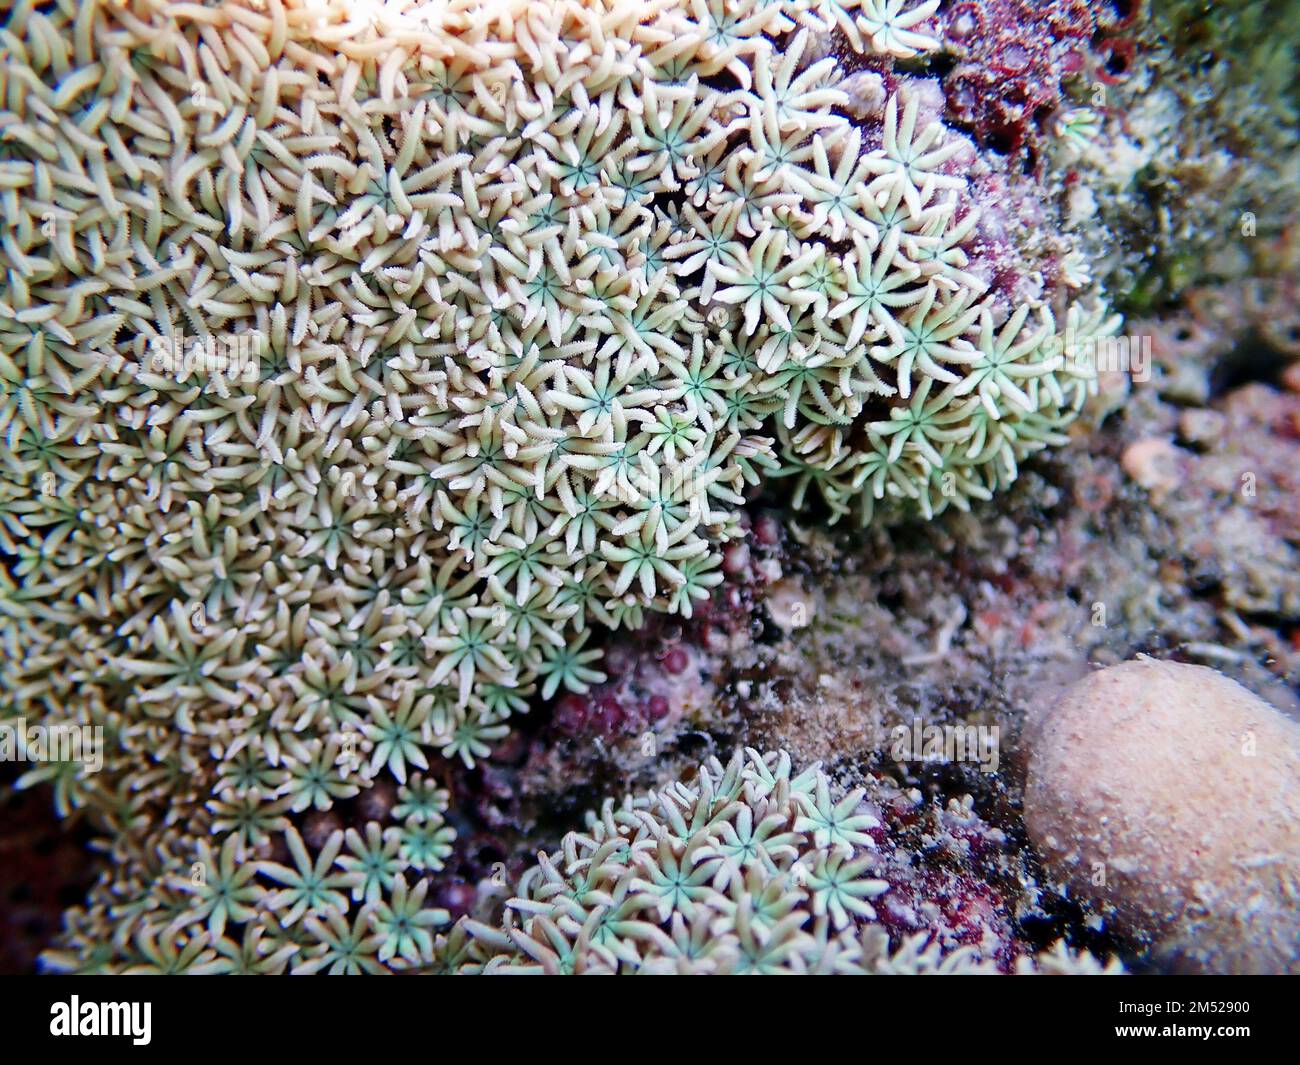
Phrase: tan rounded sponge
(1169,796)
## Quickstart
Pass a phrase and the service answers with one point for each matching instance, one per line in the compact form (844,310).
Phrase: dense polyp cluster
(536,292)
(751,867)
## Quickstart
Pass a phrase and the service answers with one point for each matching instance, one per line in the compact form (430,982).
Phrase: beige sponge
(1169,795)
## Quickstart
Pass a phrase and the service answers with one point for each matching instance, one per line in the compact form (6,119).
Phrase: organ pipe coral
(359,363)
(748,868)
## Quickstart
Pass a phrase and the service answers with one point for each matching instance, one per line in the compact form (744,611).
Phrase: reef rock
(1169,796)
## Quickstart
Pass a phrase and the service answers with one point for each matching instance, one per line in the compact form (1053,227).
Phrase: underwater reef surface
(425,429)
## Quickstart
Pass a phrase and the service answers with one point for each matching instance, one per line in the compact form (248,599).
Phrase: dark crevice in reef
(1052,915)
(1253,360)
(46,865)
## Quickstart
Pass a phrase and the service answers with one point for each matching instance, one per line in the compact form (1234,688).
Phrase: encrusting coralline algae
(360,362)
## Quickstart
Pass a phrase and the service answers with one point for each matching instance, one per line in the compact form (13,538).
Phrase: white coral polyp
(537,292)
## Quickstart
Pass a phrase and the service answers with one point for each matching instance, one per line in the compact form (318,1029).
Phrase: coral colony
(751,868)
(376,373)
